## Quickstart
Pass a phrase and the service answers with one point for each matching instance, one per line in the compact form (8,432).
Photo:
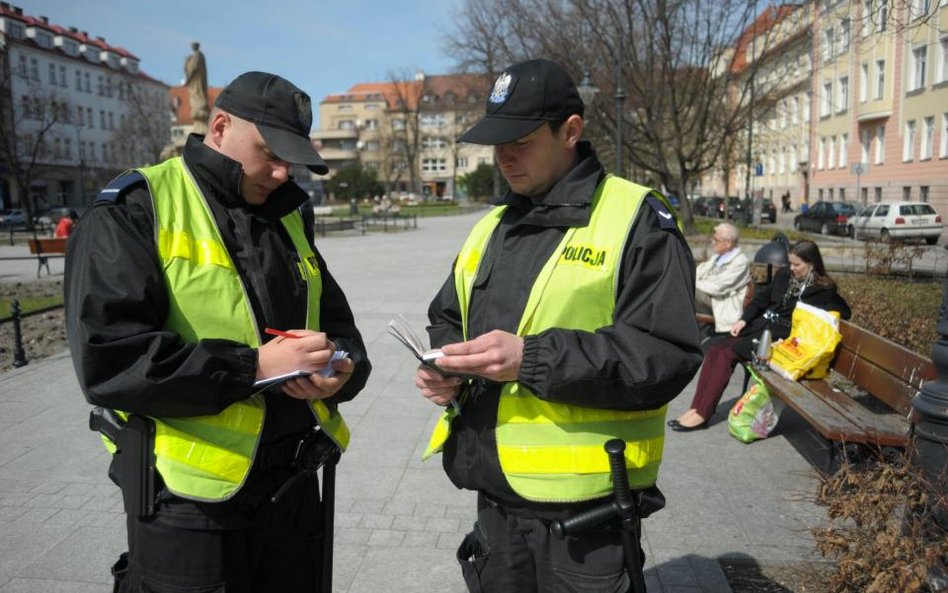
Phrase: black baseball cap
(282,113)
(523,98)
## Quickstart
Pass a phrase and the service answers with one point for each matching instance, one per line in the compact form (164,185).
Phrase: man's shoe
(679,427)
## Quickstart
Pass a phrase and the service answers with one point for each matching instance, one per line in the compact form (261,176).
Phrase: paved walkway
(398,520)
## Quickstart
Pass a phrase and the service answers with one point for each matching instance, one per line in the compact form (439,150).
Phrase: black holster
(133,463)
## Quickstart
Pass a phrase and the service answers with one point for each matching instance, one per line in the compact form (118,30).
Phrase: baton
(622,507)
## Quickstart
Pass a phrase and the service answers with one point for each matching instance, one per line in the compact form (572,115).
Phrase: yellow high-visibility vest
(548,451)
(208,458)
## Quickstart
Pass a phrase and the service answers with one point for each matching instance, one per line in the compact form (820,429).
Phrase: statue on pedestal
(195,78)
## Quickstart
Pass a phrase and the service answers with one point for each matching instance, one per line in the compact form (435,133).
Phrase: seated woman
(805,280)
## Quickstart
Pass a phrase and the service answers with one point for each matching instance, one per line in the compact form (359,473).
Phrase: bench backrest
(890,372)
(47,245)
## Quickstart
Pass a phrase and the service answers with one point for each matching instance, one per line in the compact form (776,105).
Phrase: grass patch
(28,304)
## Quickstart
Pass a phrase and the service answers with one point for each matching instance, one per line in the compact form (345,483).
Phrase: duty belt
(311,452)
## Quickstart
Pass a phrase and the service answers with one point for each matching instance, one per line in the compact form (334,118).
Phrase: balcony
(338,154)
(350,134)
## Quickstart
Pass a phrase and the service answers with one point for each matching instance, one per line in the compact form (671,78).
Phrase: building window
(398,125)
(908,146)
(52,74)
(371,124)
(920,8)
(346,124)
(882,16)
(435,120)
(26,107)
(843,94)
(67,148)
(831,153)
(943,153)
(880,79)
(919,63)
(878,194)
(22,70)
(34,69)
(78,80)
(62,76)
(844,25)
(102,119)
(866,142)
(864,82)
(843,147)
(89,120)
(15,30)
(828,43)
(88,83)
(928,136)
(943,57)
(821,154)
(434,165)
(923,193)
(906,193)
(461,162)
(826,105)
(880,145)
(433,143)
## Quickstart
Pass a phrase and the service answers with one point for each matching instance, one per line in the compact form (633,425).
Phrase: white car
(897,220)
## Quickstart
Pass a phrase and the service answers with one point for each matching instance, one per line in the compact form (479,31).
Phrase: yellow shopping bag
(808,350)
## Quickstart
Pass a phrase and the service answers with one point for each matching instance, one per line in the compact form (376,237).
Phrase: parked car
(828,218)
(699,206)
(897,220)
(10,218)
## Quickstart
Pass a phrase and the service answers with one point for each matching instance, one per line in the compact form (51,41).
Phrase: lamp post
(82,164)
(620,99)
(588,91)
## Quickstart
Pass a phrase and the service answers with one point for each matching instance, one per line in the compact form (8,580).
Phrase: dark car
(768,212)
(828,218)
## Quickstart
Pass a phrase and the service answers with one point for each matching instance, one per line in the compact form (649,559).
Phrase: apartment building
(771,62)
(82,106)
(405,131)
(880,83)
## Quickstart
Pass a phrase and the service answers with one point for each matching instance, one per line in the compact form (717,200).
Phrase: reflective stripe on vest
(209,457)
(552,452)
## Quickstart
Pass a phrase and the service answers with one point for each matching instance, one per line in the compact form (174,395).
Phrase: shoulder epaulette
(120,186)
(666,219)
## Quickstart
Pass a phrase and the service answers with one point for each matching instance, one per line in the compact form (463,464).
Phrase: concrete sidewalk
(398,520)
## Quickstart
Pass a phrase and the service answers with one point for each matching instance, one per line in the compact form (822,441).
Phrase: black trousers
(508,552)
(237,547)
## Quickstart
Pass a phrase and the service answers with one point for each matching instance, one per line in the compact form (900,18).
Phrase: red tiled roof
(765,21)
(182,102)
(79,36)
(411,91)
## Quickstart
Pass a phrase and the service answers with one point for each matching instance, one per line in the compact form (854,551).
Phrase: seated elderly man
(721,281)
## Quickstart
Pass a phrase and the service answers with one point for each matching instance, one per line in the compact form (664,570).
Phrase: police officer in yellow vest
(170,285)
(572,304)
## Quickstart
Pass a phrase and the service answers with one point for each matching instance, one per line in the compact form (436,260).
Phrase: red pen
(282,334)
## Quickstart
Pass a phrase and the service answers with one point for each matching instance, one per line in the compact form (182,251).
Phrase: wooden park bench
(44,248)
(865,403)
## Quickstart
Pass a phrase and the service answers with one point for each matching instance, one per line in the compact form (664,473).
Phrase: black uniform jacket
(640,362)
(775,297)
(117,302)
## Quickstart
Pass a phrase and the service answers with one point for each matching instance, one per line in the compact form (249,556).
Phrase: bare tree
(26,127)
(405,115)
(145,130)
(683,96)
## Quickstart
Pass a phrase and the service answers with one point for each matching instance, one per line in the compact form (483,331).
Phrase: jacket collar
(219,177)
(569,201)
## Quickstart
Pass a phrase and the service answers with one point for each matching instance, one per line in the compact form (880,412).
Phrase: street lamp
(588,91)
(81,153)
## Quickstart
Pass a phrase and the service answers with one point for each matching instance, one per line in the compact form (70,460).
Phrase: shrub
(898,310)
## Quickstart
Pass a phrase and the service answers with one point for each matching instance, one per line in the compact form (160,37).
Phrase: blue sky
(323,46)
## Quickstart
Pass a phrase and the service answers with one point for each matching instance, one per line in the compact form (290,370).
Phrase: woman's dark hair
(809,252)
